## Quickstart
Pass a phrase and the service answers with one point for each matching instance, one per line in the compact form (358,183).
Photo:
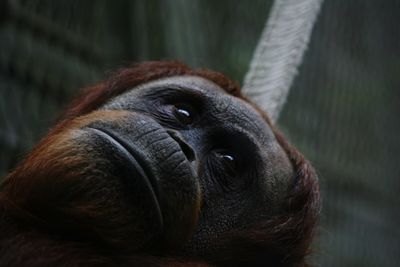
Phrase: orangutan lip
(137,167)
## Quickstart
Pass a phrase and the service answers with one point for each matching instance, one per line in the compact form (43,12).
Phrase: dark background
(342,112)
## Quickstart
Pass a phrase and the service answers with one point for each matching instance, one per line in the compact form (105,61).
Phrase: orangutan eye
(184,113)
(227,158)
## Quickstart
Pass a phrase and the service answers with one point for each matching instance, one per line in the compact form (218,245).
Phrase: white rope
(279,52)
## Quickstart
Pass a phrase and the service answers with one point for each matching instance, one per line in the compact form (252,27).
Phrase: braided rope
(279,53)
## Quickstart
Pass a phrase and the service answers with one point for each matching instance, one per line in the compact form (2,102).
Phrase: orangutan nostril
(186,149)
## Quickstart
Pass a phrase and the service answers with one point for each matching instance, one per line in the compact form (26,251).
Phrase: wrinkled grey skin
(186,160)
(165,170)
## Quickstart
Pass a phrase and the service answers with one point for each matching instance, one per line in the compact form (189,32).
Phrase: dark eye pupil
(228,160)
(183,114)
(228,157)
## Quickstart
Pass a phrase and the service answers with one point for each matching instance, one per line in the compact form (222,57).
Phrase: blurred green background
(342,112)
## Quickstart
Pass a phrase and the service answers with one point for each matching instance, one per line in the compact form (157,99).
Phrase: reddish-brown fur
(284,240)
